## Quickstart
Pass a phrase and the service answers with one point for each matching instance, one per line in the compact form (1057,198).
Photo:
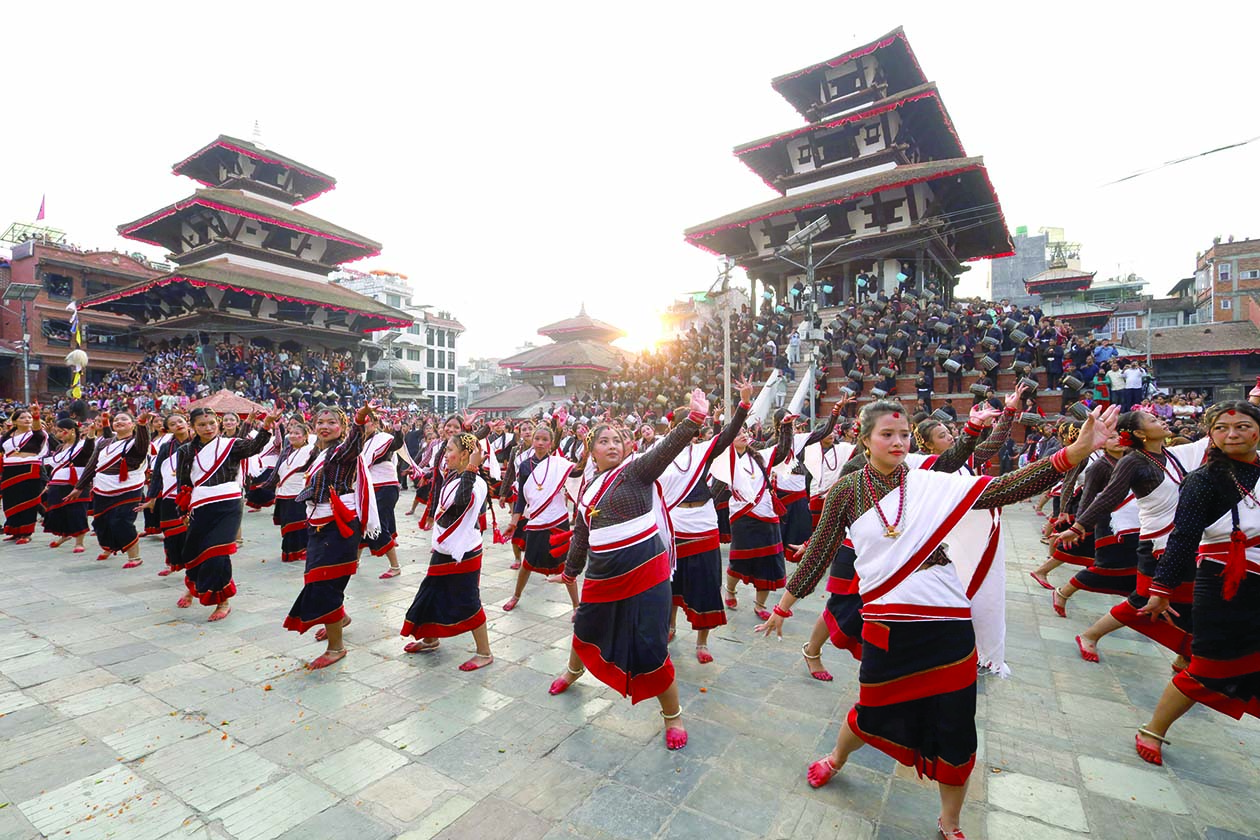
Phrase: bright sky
(518,159)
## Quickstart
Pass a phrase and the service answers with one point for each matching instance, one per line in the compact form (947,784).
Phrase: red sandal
(822,675)
(1042,582)
(956,834)
(1151,755)
(1087,655)
(675,736)
(560,685)
(821,772)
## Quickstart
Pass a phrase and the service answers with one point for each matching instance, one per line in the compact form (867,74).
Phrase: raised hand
(1016,398)
(982,414)
(699,402)
(745,388)
(1098,428)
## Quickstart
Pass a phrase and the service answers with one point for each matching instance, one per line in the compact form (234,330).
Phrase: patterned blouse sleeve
(826,540)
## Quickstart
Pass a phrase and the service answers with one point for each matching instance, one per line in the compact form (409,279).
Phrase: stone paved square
(122,716)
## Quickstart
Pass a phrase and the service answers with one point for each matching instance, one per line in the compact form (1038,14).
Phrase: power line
(1176,161)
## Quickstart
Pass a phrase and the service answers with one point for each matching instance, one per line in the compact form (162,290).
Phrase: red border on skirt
(431,630)
(936,769)
(292,622)
(641,686)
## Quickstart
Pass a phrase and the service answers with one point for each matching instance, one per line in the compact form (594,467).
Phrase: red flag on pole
(42,199)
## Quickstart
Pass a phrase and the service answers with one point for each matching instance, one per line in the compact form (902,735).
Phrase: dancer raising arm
(116,481)
(448,602)
(67,520)
(21,449)
(621,631)
(290,478)
(1217,528)
(208,470)
(341,508)
(164,490)
(697,582)
(924,619)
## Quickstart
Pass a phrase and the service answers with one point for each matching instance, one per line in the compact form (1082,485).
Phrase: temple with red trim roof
(580,356)
(1061,288)
(251,267)
(880,158)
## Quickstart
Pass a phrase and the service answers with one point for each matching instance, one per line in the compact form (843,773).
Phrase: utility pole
(727,265)
(26,359)
(24,293)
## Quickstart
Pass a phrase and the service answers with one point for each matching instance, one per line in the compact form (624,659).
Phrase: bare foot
(184,602)
(422,646)
(1088,648)
(131,564)
(221,613)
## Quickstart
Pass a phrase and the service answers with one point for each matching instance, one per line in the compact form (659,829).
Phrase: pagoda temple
(250,266)
(580,355)
(881,160)
(1062,290)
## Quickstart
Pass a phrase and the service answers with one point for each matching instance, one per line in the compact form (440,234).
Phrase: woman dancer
(542,506)
(260,490)
(163,493)
(341,508)
(115,478)
(379,447)
(422,474)
(1217,528)
(66,520)
(290,514)
(157,436)
(789,479)
(1113,569)
(1152,473)
(620,633)
(208,469)
(449,600)
(756,555)
(925,618)
(21,451)
(697,581)
(939,451)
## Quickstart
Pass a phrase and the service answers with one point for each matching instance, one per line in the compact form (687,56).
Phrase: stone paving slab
(124,717)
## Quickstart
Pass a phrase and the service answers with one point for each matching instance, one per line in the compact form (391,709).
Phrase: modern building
(479,378)
(1007,274)
(67,273)
(250,266)
(1225,274)
(881,161)
(419,360)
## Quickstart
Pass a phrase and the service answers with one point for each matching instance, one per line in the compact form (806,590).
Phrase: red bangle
(565,577)
(1061,461)
(697,417)
(779,611)
(972,429)
(745,405)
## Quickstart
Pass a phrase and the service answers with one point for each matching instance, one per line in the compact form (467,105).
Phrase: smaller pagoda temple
(580,355)
(1062,291)
(250,265)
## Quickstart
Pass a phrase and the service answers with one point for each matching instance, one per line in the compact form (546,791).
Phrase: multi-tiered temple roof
(247,256)
(881,159)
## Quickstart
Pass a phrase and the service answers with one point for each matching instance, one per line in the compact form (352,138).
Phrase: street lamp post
(24,293)
(805,237)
